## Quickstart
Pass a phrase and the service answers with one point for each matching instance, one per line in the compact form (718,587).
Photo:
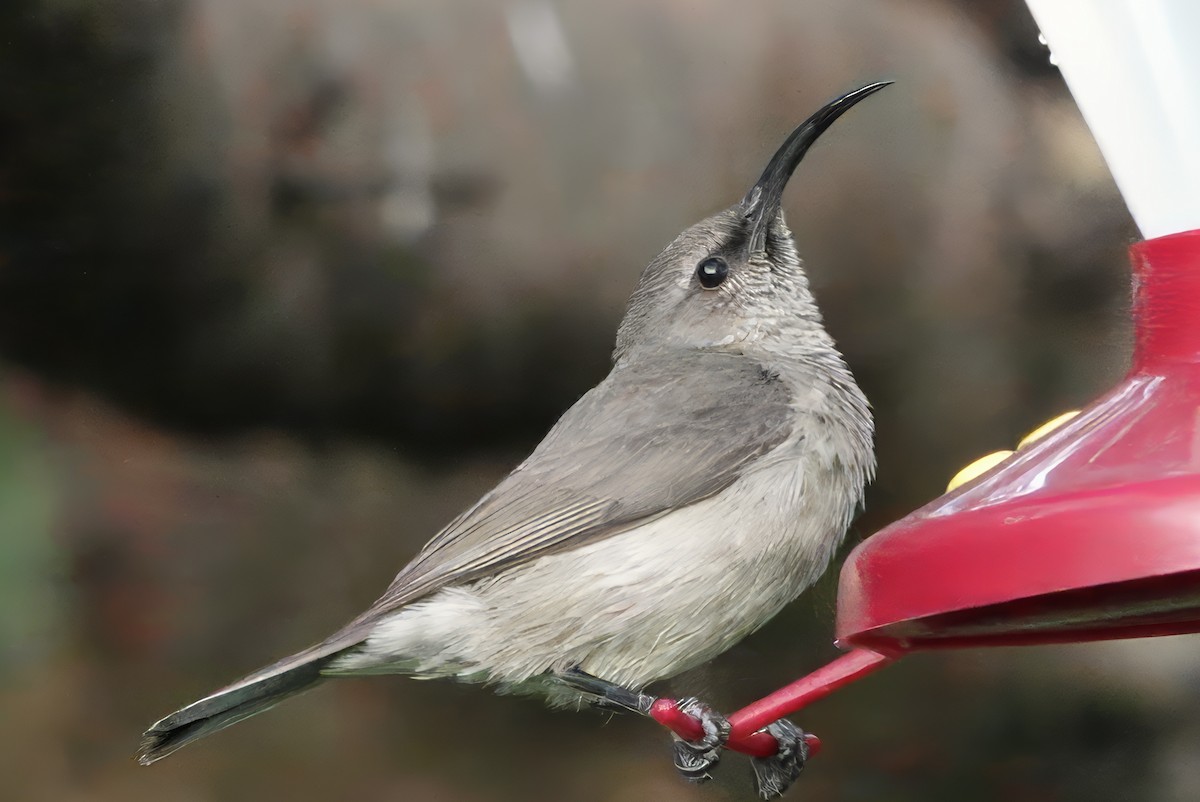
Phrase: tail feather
(254,694)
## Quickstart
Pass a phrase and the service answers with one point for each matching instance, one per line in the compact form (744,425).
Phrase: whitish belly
(635,607)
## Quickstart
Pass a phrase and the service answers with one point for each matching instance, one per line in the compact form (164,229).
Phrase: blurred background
(286,284)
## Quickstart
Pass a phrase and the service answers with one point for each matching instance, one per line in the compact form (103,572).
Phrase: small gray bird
(674,509)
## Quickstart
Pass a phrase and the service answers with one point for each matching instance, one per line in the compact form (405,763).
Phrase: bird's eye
(711,272)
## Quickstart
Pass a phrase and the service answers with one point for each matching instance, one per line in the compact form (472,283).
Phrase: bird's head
(736,277)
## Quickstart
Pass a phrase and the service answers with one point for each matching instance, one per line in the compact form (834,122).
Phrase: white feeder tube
(1133,67)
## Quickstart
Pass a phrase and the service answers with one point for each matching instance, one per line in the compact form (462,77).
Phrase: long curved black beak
(762,202)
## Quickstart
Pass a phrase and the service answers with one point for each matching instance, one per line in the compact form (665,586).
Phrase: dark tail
(254,694)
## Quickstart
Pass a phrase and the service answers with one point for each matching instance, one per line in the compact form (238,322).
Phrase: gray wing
(653,436)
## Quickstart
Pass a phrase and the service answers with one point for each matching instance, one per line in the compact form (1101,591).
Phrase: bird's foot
(773,775)
(694,759)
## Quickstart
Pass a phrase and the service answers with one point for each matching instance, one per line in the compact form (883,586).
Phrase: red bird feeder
(1093,531)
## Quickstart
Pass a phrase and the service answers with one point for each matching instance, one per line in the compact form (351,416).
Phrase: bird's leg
(773,775)
(604,694)
(693,758)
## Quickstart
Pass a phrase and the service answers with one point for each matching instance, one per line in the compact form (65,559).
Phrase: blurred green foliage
(30,598)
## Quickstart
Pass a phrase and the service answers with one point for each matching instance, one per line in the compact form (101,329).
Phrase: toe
(715,726)
(694,759)
(774,775)
(694,764)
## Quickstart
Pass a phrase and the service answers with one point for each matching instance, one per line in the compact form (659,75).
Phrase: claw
(774,775)
(693,759)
